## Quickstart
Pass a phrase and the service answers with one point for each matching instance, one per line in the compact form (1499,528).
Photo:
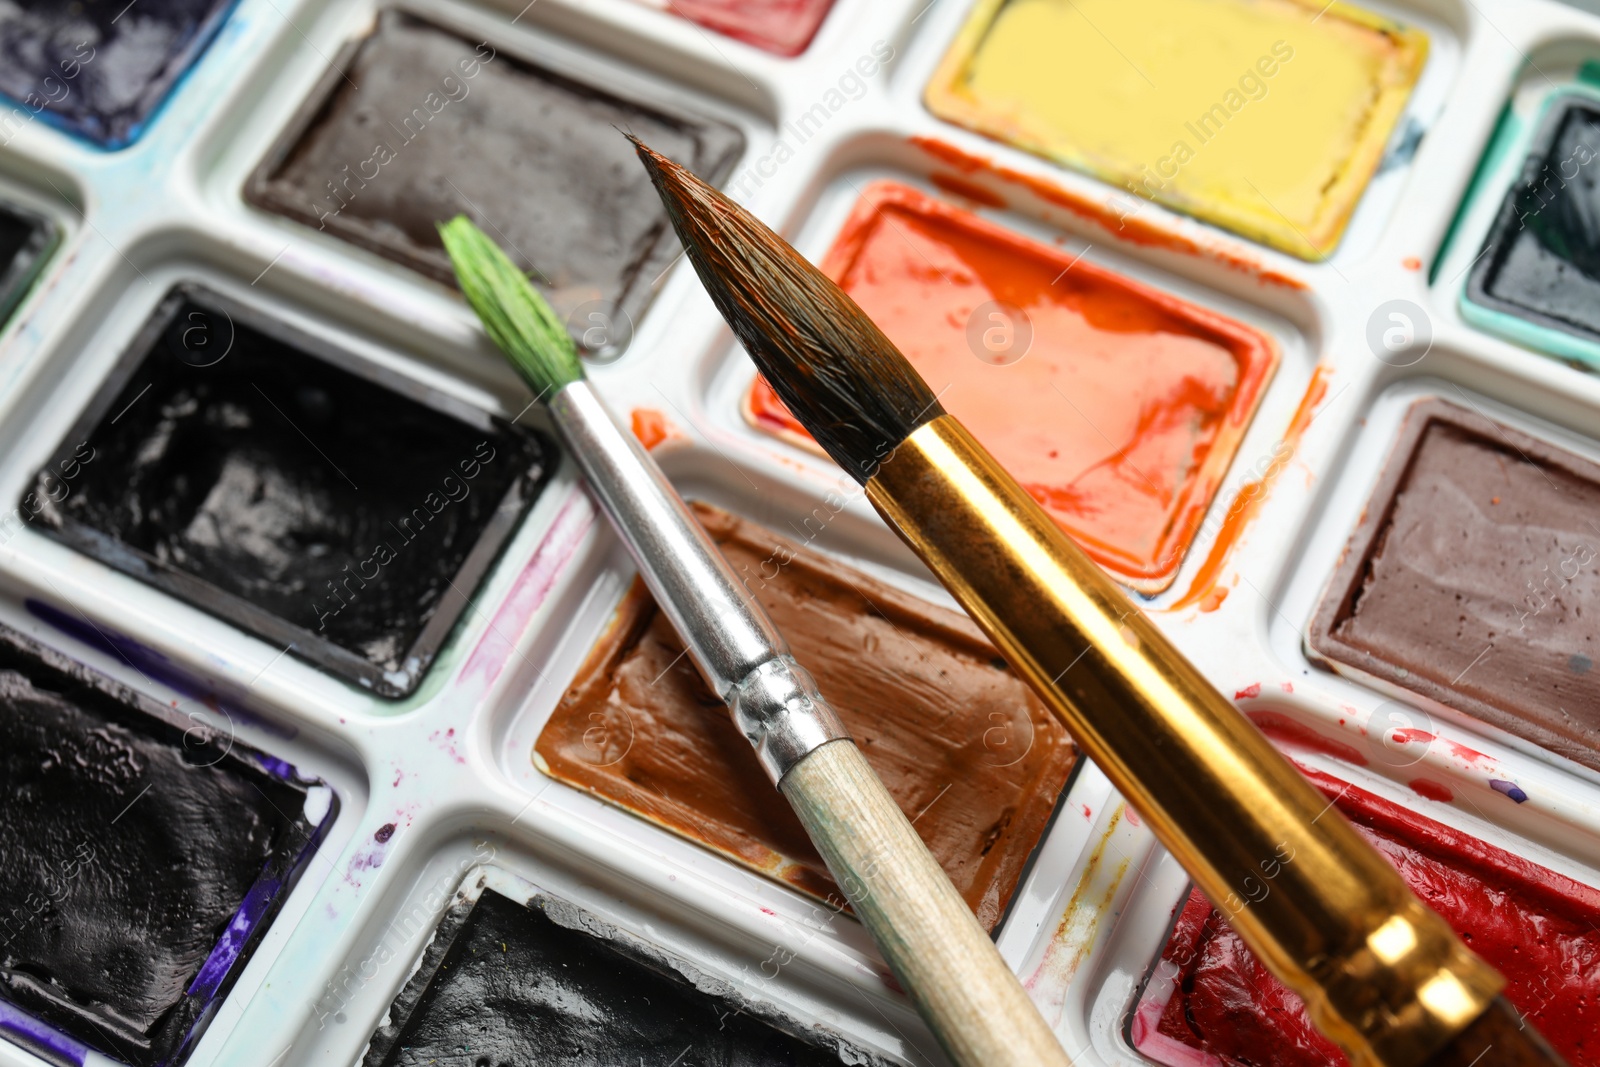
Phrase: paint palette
(271,499)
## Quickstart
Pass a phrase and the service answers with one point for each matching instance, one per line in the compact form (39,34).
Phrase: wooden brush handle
(1500,1038)
(964,990)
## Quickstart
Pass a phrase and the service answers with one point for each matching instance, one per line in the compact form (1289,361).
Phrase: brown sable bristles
(837,372)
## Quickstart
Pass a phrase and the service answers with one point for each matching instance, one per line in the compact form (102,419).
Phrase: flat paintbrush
(970,999)
(1381,975)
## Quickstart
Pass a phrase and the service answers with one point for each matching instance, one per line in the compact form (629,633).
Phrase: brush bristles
(840,376)
(514,313)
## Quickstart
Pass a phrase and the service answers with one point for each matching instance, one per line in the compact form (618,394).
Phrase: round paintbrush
(972,1002)
(1381,975)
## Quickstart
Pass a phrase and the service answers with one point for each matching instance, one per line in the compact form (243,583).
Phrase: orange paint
(1251,495)
(1121,417)
(1411,263)
(651,427)
(968,190)
(1213,600)
(1125,226)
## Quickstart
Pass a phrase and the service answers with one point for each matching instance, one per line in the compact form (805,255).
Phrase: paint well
(1541,261)
(251,471)
(784,27)
(1539,928)
(1116,406)
(1264,117)
(143,858)
(1474,579)
(26,239)
(100,68)
(505,982)
(961,743)
(419,124)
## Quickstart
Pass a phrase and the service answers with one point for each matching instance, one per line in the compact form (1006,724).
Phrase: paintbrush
(1381,974)
(972,1002)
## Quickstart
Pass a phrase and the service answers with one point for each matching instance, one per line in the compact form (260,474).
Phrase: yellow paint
(1261,116)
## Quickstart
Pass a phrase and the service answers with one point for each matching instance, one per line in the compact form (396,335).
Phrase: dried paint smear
(1249,114)
(1116,406)
(961,743)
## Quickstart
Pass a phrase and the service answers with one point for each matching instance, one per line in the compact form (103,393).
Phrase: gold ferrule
(1381,975)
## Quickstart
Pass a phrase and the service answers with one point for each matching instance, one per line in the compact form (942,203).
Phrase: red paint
(1288,687)
(1424,787)
(1249,692)
(1133,816)
(1465,754)
(1242,511)
(968,190)
(784,27)
(1280,726)
(1406,736)
(651,427)
(1540,928)
(1123,413)
(1087,814)
(1127,227)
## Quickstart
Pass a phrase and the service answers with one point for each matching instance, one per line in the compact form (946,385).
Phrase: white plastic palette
(449,767)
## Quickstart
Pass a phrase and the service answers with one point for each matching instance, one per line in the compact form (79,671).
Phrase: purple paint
(278,768)
(39,1037)
(532,586)
(153,665)
(1510,789)
(244,922)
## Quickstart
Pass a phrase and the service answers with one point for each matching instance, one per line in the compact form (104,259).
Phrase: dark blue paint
(99,69)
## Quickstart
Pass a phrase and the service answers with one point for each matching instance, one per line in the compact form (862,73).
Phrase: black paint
(99,68)
(130,836)
(1542,258)
(26,239)
(506,985)
(233,463)
(443,124)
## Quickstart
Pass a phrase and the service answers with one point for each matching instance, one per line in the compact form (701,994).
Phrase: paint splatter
(1510,789)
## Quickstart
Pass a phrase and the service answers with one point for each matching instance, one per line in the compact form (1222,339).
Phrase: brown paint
(1489,608)
(962,744)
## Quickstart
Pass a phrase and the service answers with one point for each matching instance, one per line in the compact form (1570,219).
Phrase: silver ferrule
(731,640)
(779,710)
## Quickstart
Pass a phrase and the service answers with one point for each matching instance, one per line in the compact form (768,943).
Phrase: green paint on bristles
(515,314)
